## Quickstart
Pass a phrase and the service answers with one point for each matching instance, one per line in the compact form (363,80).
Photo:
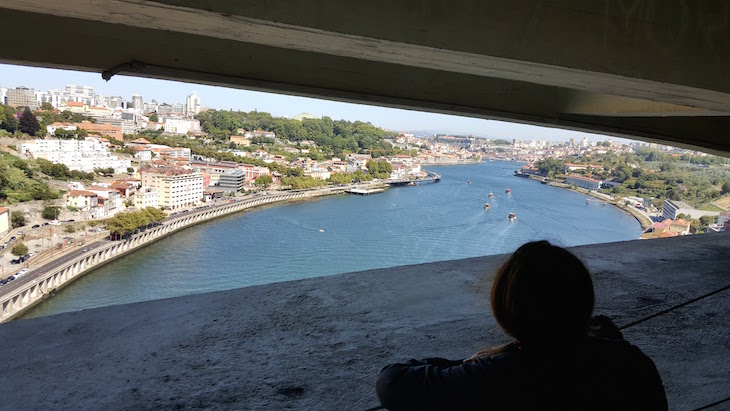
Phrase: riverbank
(337,234)
(643,220)
(18,297)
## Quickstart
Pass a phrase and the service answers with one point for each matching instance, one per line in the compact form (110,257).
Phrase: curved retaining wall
(18,301)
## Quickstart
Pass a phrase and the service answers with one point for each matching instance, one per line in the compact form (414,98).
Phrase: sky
(165,91)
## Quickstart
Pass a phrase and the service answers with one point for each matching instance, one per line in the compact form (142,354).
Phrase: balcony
(320,343)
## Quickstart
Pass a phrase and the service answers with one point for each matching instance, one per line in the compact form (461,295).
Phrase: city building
(81,199)
(232,181)
(82,155)
(110,130)
(192,105)
(4,220)
(673,208)
(80,93)
(147,197)
(51,128)
(181,126)
(679,226)
(109,202)
(241,140)
(137,102)
(176,188)
(583,182)
(22,96)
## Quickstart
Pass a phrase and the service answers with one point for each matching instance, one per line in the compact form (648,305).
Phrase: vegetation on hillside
(334,137)
(697,180)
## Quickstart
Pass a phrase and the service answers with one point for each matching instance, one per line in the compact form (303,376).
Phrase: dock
(365,191)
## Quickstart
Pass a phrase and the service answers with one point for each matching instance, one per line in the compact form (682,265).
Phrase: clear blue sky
(277,104)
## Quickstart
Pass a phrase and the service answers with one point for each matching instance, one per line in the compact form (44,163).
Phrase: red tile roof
(79,193)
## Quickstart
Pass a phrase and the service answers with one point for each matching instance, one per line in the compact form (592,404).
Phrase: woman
(561,358)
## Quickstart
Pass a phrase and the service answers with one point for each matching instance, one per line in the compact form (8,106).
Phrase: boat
(468,181)
(508,191)
(512,217)
(491,194)
(486,206)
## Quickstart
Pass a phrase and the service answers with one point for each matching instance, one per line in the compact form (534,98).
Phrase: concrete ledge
(320,343)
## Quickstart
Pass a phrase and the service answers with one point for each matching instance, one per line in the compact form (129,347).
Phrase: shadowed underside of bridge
(319,343)
(642,69)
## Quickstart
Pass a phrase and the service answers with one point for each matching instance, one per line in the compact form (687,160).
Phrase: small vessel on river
(508,191)
(512,217)
(491,194)
(486,206)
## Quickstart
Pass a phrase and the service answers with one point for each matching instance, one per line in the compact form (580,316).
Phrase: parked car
(36,226)
(45,224)
(70,221)
(4,281)
(16,261)
(31,254)
(11,278)
(12,239)
(22,272)
(20,233)
(85,249)
(2,247)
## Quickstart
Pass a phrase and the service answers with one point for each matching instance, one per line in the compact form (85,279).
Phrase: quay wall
(39,285)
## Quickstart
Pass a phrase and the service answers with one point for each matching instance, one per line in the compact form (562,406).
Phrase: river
(404,225)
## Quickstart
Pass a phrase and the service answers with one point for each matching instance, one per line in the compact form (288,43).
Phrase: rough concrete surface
(320,343)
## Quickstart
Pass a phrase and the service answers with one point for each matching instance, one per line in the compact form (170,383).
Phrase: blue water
(404,225)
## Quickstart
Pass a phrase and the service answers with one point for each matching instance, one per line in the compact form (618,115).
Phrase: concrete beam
(533,62)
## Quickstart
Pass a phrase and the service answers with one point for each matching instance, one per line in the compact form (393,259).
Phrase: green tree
(17,219)
(726,187)
(8,121)
(130,170)
(264,180)
(46,106)
(707,220)
(69,228)
(106,171)
(51,212)
(28,123)
(154,118)
(19,249)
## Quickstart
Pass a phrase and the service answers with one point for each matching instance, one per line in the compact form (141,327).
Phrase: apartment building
(673,208)
(82,155)
(146,197)
(232,181)
(110,130)
(176,188)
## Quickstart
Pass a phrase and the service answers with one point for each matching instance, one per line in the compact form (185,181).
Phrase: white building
(137,102)
(82,155)
(110,202)
(192,105)
(176,188)
(80,93)
(51,128)
(147,197)
(673,208)
(181,126)
(82,200)
(4,220)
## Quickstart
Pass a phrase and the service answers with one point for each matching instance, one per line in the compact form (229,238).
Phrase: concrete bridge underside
(647,69)
(319,343)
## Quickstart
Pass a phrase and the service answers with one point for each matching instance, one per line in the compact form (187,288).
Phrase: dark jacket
(589,374)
